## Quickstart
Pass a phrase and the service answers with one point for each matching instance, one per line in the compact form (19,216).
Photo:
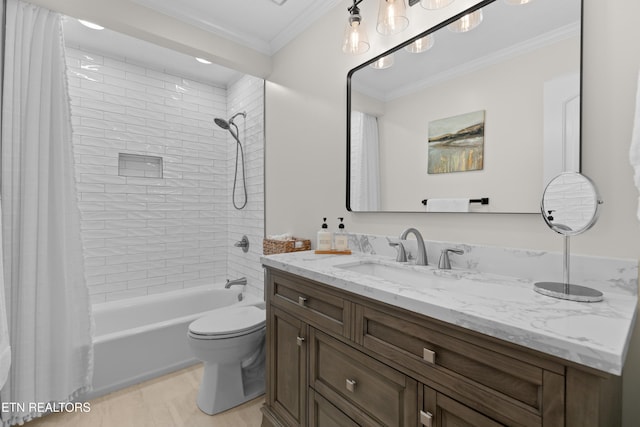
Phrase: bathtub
(141,338)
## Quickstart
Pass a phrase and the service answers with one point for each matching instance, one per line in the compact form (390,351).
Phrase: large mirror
(487,116)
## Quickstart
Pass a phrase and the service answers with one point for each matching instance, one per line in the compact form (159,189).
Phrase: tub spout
(240,282)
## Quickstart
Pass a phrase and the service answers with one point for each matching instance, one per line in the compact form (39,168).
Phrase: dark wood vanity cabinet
(338,359)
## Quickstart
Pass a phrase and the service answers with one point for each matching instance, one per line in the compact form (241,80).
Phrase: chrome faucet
(421,258)
(402,253)
(240,282)
(445,263)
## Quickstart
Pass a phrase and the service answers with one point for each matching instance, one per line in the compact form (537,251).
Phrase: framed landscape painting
(456,144)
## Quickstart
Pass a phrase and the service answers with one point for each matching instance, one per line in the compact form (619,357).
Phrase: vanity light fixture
(435,4)
(203,61)
(392,17)
(356,40)
(384,62)
(467,23)
(421,45)
(91,25)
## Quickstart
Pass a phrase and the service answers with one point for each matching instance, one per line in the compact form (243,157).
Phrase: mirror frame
(433,29)
(594,216)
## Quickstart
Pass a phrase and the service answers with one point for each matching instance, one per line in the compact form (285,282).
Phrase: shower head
(222,123)
(226,124)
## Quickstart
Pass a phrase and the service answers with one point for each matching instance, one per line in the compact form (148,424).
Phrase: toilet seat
(228,323)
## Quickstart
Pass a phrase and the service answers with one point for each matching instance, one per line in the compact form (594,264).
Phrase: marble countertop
(592,334)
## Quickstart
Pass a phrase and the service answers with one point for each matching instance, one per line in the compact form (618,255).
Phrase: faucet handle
(402,253)
(444,263)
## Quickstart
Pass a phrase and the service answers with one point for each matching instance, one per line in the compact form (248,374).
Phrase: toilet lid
(229,321)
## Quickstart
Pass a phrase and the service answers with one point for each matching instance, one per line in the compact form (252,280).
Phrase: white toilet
(231,343)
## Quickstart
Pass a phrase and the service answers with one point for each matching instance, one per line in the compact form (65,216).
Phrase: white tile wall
(247,94)
(145,235)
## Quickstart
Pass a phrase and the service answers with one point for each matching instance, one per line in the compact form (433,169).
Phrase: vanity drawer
(439,410)
(357,384)
(310,302)
(494,382)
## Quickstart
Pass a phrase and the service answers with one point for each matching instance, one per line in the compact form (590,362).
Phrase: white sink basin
(404,274)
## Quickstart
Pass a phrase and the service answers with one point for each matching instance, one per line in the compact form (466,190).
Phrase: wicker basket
(270,246)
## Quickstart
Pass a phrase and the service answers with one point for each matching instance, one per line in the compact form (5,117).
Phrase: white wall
(306,132)
(511,94)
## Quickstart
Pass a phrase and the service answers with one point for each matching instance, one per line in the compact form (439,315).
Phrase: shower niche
(139,165)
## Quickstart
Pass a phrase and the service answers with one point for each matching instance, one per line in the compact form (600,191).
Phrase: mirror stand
(566,290)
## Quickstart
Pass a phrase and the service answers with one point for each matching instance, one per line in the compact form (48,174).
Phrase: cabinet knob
(426,418)
(300,341)
(302,301)
(429,356)
(351,385)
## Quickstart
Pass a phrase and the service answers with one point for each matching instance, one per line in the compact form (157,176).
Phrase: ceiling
(267,26)
(263,25)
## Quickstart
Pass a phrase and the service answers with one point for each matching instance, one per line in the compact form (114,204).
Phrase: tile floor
(167,401)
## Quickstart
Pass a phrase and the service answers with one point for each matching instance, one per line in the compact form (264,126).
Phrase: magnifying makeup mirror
(569,207)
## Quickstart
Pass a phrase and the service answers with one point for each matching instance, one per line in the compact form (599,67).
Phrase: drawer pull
(300,341)
(426,418)
(351,385)
(302,301)
(429,356)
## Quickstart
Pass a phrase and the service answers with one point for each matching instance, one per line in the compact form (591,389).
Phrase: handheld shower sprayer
(226,125)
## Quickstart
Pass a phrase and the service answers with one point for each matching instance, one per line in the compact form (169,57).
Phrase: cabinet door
(439,410)
(323,414)
(287,355)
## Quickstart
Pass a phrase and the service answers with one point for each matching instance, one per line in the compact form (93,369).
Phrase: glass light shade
(384,62)
(517,1)
(421,45)
(467,23)
(356,40)
(392,17)
(435,4)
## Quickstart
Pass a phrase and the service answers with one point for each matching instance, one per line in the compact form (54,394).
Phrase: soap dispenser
(340,238)
(324,237)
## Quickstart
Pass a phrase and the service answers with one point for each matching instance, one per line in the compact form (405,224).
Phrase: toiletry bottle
(324,237)
(340,239)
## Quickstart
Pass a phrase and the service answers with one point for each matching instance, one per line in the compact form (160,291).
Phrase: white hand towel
(448,205)
(634,152)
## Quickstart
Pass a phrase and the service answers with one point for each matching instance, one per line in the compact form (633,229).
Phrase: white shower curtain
(48,307)
(365,162)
